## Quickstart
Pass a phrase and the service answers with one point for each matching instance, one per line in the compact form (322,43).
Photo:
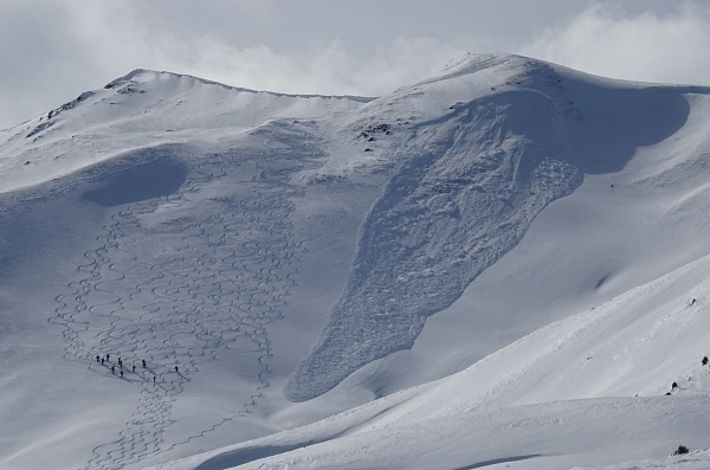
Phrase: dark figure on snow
(692,302)
(113,370)
(144,364)
(102,361)
(674,385)
(133,369)
(108,357)
(705,361)
(121,374)
(98,359)
(153,379)
(176,369)
(120,362)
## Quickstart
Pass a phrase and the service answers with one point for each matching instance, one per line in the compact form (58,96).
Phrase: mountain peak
(504,65)
(141,75)
(475,59)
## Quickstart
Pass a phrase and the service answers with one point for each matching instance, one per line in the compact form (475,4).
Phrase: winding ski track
(225,277)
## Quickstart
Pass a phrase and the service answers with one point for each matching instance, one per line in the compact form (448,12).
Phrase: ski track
(228,277)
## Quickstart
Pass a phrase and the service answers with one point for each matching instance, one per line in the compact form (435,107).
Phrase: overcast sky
(51,50)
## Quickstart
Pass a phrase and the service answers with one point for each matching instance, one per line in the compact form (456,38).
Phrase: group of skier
(106,362)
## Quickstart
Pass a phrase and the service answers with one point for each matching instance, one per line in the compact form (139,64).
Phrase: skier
(121,373)
(98,359)
(133,369)
(153,379)
(102,361)
(705,361)
(674,385)
(108,357)
(176,370)
(692,302)
(144,364)
(113,370)
(120,362)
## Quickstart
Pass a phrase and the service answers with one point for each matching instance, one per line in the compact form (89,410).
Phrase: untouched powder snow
(507,249)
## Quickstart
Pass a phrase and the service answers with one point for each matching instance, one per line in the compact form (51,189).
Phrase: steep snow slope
(230,232)
(613,233)
(474,178)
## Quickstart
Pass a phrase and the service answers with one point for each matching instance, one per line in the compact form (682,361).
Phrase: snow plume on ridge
(472,182)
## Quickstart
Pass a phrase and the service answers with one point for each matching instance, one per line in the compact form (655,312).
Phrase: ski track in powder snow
(226,277)
(182,277)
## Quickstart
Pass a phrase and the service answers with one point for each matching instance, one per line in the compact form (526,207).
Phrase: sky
(51,50)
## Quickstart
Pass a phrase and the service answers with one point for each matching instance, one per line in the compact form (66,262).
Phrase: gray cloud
(52,51)
(672,48)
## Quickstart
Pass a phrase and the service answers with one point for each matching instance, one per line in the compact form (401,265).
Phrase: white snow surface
(504,266)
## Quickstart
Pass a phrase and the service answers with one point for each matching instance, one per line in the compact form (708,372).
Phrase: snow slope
(172,238)
(143,108)
(557,435)
(631,347)
(298,256)
(474,179)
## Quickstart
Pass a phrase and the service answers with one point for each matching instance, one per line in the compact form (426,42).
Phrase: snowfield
(503,266)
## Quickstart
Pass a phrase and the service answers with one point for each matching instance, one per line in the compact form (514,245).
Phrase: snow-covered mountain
(503,266)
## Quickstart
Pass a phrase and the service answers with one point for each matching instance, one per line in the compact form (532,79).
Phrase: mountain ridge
(460,246)
(142,71)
